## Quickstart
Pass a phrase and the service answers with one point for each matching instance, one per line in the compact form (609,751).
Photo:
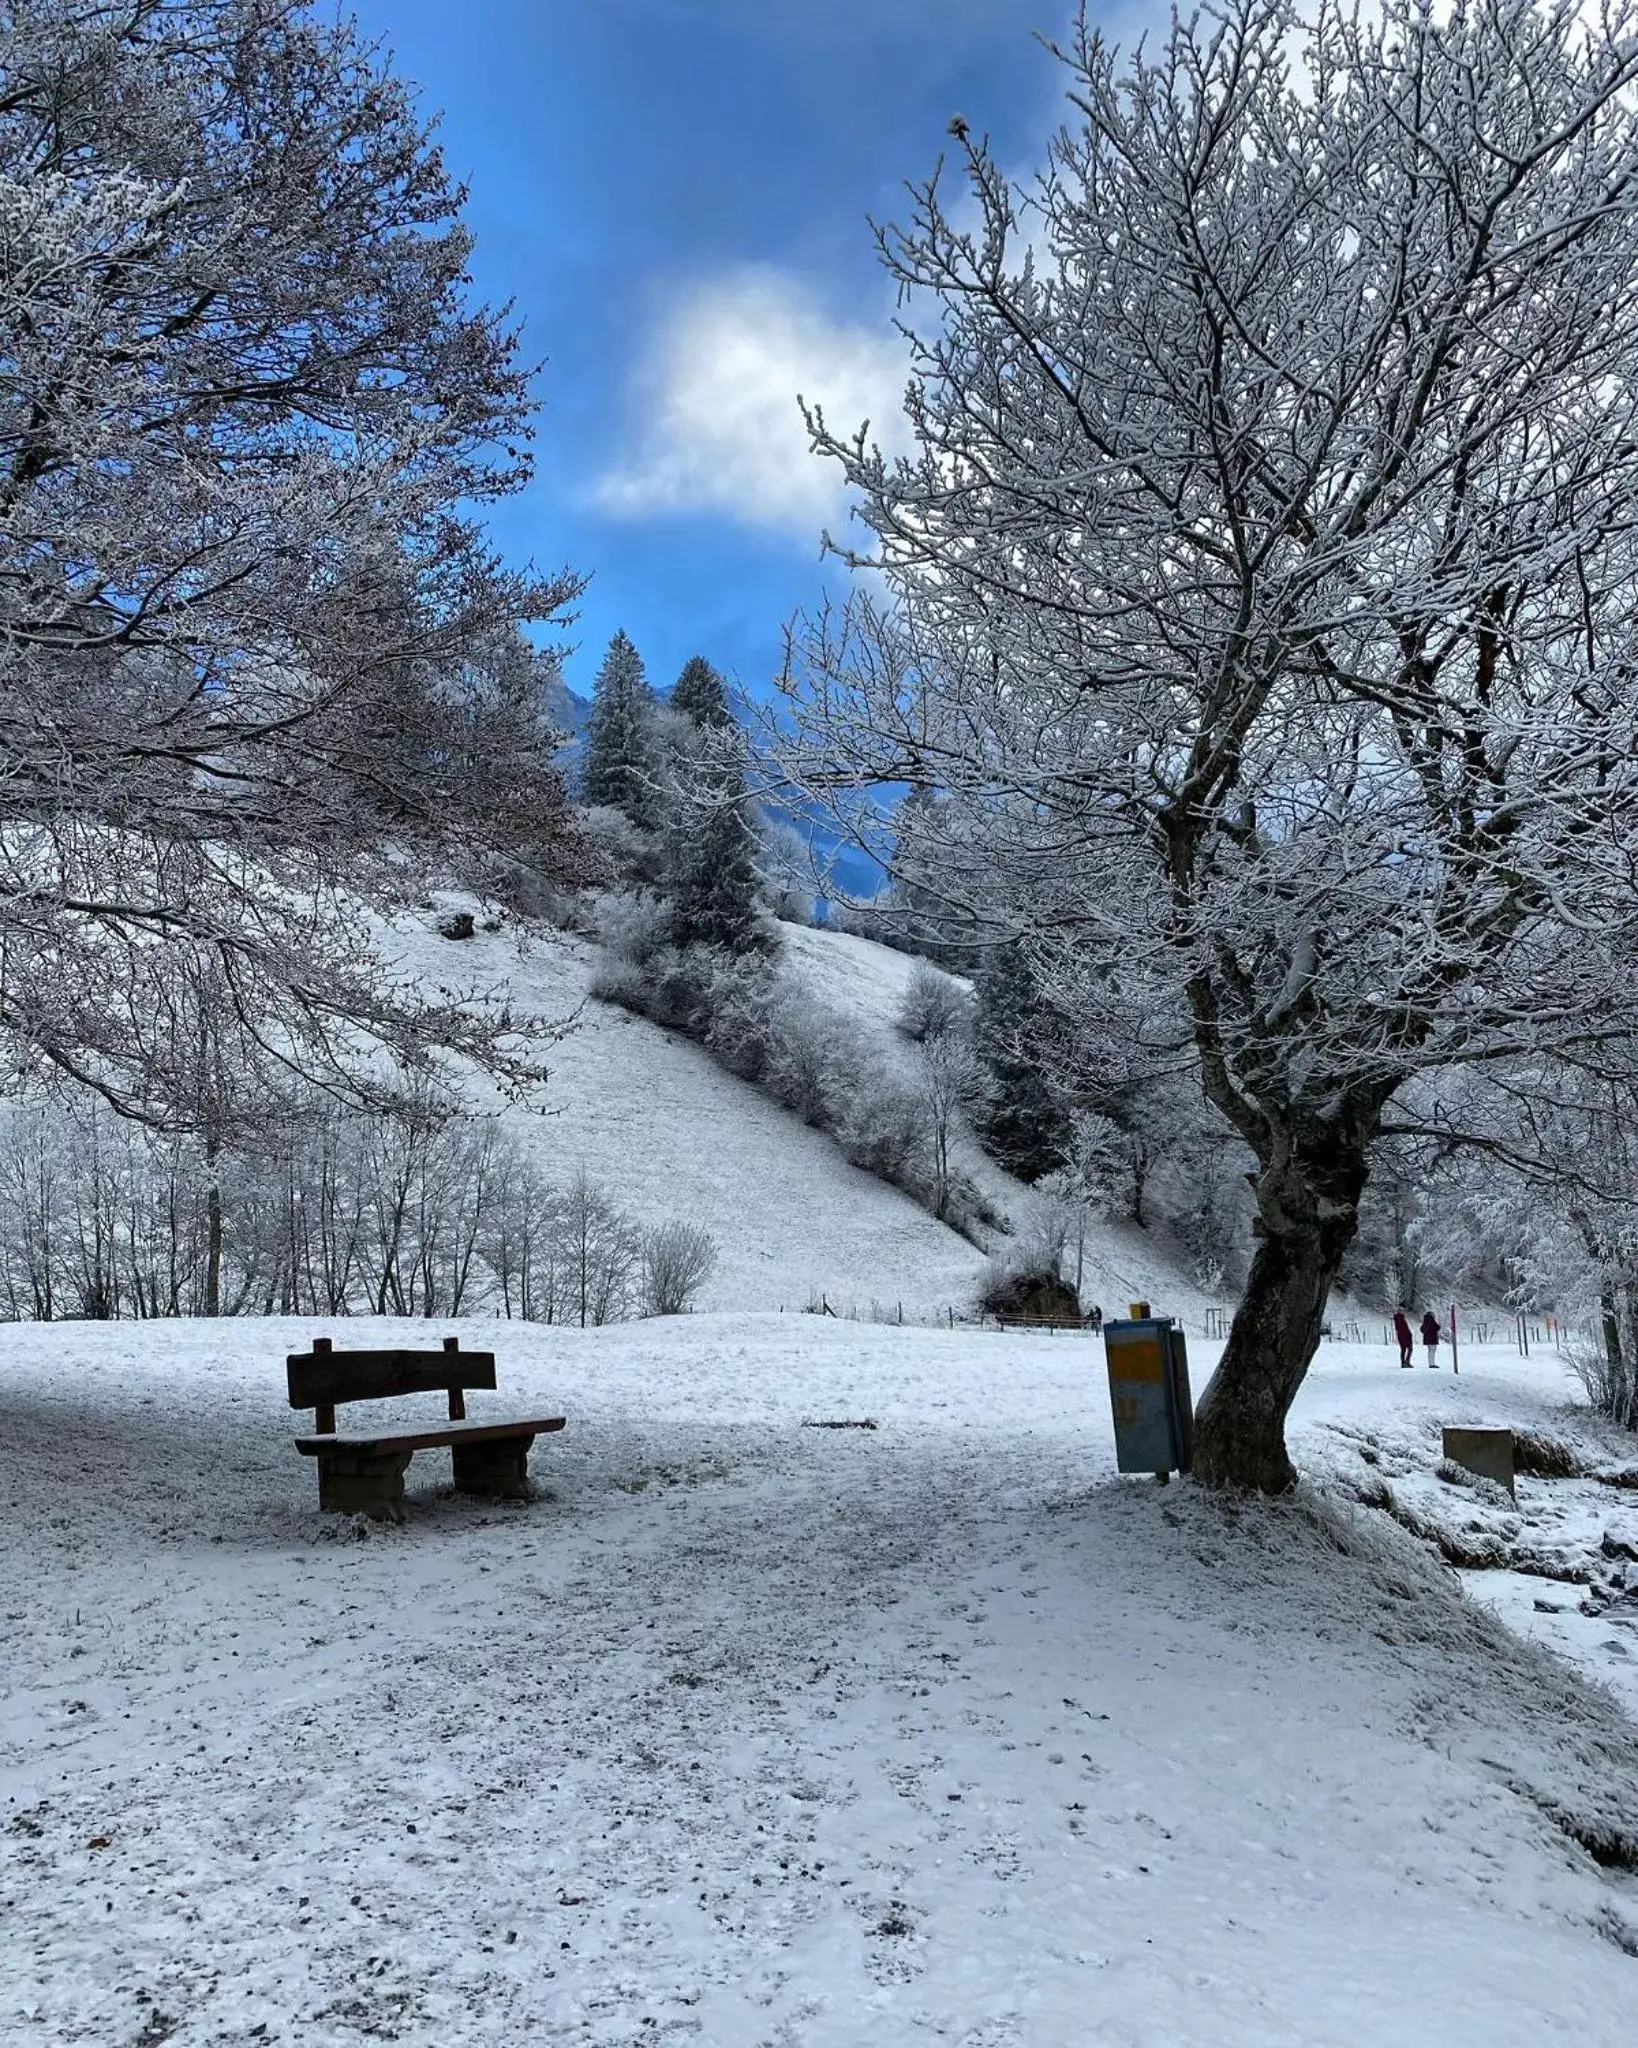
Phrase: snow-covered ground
(655,1121)
(1574,1539)
(867,983)
(868,980)
(764,1736)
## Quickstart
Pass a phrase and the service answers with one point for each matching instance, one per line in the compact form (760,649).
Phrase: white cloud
(721,430)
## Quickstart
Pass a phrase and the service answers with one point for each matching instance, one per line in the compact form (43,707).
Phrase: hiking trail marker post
(1149,1393)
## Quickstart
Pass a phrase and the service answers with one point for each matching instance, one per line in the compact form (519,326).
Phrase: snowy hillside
(868,982)
(752,1733)
(655,1120)
(659,1124)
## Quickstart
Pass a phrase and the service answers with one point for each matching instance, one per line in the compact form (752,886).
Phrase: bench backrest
(323,1377)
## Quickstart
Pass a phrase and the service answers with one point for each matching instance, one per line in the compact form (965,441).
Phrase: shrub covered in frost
(934,1006)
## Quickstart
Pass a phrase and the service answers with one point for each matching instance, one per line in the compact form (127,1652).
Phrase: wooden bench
(363,1472)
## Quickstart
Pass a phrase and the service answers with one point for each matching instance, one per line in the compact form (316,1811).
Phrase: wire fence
(919,1317)
(943,1317)
(1525,1333)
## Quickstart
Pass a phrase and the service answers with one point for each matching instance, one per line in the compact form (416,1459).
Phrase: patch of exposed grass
(1545,1457)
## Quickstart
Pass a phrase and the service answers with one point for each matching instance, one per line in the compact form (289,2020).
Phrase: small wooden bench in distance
(363,1472)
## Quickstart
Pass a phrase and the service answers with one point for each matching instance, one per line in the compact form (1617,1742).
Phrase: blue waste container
(1148,1364)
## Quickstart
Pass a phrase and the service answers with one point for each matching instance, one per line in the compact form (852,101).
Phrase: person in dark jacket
(1402,1330)
(1430,1337)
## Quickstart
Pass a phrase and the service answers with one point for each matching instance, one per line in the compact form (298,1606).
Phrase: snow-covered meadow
(654,1120)
(753,1733)
(1248,695)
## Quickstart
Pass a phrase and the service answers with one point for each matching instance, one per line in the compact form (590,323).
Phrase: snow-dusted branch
(246,413)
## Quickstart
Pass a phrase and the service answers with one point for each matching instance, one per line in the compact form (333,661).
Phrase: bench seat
(425,1439)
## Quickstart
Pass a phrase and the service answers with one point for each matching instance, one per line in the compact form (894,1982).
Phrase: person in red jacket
(1430,1337)
(1402,1330)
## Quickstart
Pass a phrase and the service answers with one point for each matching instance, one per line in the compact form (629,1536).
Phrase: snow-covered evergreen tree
(711,871)
(620,768)
(713,839)
(701,694)
(1024,1123)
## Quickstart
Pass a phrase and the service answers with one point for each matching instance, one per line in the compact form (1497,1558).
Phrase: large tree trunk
(213,1250)
(1307,1220)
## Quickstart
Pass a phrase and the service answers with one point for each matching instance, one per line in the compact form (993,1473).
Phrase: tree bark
(1307,1220)
(1140,1179)
(1609,1316)
(213,1251)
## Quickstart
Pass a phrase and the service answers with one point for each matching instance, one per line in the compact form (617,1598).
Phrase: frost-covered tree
(953,1084)
(420,1210)
(711,870)
(621,767)
(934,1005)
(1263,590)
(471,751)
(1387,1264)
(600,1252)
(1023,1120)
(1542,1211)
(247,407)
(701,694)
(678,1259)
(790,869)
(915,911)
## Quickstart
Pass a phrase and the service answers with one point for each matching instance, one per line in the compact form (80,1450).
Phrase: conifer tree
(701,694)
(713,879)
(1024,1124)
(620,764)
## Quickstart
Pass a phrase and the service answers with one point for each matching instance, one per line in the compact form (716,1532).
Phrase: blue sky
(675,193)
